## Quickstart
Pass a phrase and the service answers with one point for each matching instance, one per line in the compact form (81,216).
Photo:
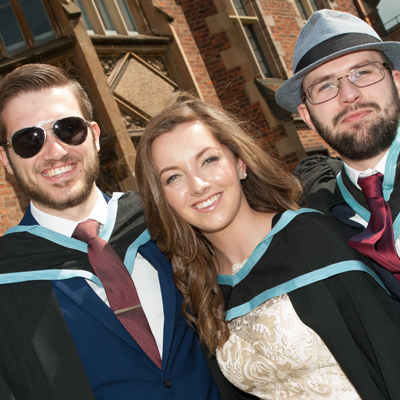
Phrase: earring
(243,175)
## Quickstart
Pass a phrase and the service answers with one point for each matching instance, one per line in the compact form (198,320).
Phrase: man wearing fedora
(346,86)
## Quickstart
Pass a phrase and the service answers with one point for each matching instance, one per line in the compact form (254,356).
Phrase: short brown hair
(37,77)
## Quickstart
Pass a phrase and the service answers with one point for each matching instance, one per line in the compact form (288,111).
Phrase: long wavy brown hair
(268,188)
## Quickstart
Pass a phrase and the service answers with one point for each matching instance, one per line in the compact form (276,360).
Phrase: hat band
(334,45)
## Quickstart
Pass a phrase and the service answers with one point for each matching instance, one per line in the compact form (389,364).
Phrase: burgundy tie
(377,241)
(119,287)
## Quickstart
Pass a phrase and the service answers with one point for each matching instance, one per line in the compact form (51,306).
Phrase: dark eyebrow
(203,151)
(329,76)
(198,155)
(167,169)
(321,79)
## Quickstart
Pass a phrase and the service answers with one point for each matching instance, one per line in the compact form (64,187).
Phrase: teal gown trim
(68,242)
(299,282)
(262,247)
(387,186)
(293,284)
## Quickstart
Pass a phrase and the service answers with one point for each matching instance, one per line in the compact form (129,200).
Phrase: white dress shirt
(354,174)
(144,274)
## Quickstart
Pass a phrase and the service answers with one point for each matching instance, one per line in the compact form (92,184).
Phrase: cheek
(225,176)
(175,198)
(325,114)
(23,166)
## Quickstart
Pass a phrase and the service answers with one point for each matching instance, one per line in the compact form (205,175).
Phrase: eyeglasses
(362,76)
(28,142)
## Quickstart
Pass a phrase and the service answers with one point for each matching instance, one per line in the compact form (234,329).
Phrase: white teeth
(207,203)
(58,171)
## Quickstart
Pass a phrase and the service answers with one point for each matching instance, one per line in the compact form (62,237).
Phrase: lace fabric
(273,355)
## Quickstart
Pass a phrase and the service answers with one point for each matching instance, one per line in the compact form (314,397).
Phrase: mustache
(358,106)
(50,164)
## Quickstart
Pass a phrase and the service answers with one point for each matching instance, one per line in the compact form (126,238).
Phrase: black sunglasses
(27,142)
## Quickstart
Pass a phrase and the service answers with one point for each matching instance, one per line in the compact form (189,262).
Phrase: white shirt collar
(354,174)
(65,226)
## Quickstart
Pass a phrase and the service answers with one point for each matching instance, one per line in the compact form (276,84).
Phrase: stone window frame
(25,28)
(250,20)
(115,19)
(306,7)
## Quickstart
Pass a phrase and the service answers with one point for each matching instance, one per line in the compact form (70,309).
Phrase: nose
(348,92)
(198,185)
(53,149)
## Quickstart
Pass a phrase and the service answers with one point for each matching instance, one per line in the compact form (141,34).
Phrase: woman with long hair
(289,309)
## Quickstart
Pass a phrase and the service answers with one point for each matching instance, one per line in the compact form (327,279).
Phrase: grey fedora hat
(326,35)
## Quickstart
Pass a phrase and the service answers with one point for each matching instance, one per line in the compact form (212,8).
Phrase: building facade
(131,55)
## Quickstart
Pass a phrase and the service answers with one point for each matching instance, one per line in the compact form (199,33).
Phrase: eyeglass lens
(327,89)
(28,142)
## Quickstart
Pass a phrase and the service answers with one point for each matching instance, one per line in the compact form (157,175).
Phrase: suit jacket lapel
(353,190)
(394,201)
(28,218)
(152,253)
(84,297)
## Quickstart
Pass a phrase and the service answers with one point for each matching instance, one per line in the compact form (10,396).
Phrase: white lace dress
(273,355)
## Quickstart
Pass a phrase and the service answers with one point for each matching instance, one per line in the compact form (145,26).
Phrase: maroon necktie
(119,287)
(377,241)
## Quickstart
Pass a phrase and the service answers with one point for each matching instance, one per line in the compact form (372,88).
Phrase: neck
(236,243)
(76,213)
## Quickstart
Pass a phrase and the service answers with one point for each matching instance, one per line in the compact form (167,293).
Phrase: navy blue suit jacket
(114,365)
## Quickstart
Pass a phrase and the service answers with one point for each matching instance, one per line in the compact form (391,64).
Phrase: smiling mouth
(58,171)
(207,203)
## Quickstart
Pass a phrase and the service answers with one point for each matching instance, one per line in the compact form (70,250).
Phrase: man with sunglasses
(346,86)
(60,334)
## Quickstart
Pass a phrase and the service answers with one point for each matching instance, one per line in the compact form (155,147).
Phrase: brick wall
(210,54)
(12,201)
(285,28)
(394,33)
(205,49)
(220,79)
(191,28)
(313,142)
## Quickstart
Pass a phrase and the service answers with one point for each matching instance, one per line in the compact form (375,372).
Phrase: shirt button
(167,384)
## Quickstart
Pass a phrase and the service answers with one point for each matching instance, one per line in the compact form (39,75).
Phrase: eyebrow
(321,79)
(329,76)
(198,155)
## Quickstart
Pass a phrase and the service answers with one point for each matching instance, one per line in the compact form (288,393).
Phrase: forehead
(186,141)
(341,66)
(39,108)
(188,134)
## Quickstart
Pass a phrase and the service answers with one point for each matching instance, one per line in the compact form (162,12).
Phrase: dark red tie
(377,241)
(119,287)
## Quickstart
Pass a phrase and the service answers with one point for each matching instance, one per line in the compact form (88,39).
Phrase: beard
(40,196)
(364,140)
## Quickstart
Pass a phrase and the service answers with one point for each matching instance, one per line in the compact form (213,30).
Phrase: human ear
(96,134)
(241,165)
(6,162)
(305,115)
(241,169)
(396,79)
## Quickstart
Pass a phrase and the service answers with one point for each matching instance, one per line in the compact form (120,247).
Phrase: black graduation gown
(350,311)
(38,358)
(318,175)
(32,318)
